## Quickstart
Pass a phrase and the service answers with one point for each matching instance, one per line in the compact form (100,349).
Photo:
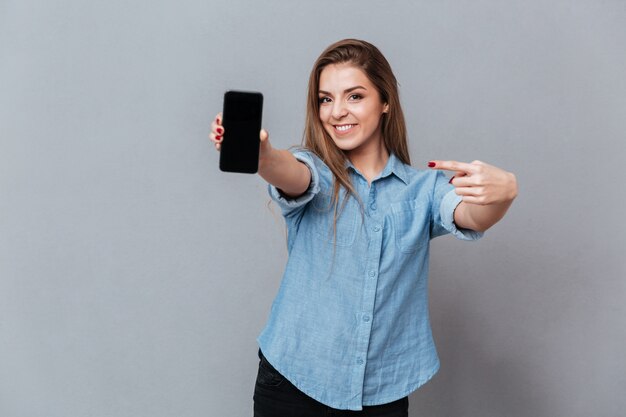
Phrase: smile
(344,128)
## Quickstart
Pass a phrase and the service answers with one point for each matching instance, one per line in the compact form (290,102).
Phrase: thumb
(264,136)
(264,146)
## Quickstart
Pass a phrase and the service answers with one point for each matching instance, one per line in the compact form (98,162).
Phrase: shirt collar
(394,166)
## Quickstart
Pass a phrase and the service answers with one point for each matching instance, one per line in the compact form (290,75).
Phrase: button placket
(374,225)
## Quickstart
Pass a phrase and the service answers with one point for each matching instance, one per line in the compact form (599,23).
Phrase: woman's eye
(324,100)
(356,97)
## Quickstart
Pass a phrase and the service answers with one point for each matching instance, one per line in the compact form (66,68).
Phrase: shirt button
(366,318)
(376,228)
(372,273)
(373,206)
(359,361)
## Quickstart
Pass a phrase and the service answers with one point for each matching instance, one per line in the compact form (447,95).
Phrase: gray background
(135,277)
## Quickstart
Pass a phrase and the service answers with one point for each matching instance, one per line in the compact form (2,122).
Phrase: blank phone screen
(242,116)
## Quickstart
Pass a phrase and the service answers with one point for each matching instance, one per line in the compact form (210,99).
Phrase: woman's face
(350,108)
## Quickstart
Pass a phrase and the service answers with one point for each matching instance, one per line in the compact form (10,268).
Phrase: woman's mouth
(343,129)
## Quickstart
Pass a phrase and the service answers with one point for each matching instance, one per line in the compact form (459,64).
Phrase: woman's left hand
(480,183)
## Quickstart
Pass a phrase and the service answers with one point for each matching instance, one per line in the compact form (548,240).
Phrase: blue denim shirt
(350,326)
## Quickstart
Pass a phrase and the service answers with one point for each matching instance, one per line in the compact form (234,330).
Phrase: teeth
(344,127)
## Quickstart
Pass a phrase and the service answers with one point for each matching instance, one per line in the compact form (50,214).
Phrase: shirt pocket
(322,215)
(411,224)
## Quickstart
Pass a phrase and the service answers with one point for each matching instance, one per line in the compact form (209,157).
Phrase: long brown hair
(371,61)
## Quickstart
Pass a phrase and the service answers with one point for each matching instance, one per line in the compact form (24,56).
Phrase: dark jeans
(275,396)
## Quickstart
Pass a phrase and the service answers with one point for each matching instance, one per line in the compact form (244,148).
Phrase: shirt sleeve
(291,206)
(445,201)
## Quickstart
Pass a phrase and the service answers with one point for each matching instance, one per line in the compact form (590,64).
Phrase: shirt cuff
(288,204)
(448,204)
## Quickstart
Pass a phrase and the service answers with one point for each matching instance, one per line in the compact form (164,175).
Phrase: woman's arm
(281,169)
(479,218)
(278,167)
(487,192)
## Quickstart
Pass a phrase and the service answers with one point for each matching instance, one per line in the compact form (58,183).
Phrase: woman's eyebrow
(349,90)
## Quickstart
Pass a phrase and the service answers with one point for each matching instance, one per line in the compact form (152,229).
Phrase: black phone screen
(242,115)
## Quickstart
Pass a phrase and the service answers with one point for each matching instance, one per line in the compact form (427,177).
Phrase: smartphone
(241,116)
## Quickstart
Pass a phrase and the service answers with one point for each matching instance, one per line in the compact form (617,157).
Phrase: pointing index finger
(451,166)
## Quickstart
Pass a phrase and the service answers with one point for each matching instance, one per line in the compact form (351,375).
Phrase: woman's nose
(339,110)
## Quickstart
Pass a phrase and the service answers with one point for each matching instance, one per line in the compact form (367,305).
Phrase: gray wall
(135,277)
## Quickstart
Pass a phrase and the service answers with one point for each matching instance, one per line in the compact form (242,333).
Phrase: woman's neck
(370,162)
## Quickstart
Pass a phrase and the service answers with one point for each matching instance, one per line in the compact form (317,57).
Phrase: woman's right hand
(217,136)
(278,167)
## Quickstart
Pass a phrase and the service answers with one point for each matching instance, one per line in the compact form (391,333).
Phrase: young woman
(349,328)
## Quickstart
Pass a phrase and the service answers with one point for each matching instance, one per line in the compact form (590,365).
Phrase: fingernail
(220,131)
(450,182)
(218,121)
(218,138)
(431,164)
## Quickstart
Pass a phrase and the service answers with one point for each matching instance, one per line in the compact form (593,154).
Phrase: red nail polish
(218,138)
(220,131)
(450,182)
(431,164)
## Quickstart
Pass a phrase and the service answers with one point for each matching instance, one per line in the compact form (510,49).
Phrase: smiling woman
(349,328)
(351,110)
(352,82)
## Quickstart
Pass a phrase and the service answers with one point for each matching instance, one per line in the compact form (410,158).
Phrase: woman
(349,328)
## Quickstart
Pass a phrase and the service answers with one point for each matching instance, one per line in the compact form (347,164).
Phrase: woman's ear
(386,108)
